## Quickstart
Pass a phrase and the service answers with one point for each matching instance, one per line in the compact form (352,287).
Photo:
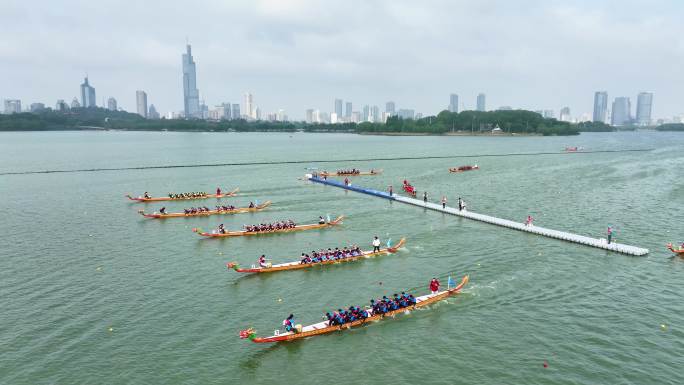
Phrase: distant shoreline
(457,133)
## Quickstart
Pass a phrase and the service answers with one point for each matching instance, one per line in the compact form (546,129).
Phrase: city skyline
(287,55)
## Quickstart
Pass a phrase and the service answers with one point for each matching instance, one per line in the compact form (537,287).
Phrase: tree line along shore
(511,122)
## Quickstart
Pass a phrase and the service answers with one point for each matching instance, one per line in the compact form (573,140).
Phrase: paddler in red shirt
(434,286)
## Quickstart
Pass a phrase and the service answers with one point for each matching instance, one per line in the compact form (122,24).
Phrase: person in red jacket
(218,191)
(434,286)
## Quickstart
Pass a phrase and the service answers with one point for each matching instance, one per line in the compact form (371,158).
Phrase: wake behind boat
(184,196)
(220,210)
(326,259)
(278,227)
(366,315)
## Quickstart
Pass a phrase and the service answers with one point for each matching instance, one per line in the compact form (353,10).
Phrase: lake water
(92,293)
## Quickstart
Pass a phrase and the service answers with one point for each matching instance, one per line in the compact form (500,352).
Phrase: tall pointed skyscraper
(87,94)
(190,91)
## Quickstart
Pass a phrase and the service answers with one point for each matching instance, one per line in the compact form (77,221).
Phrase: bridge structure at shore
(533,229)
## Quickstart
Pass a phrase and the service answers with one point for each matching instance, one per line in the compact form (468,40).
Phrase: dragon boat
(161,199)
(297,265)
(236,210)
(464,168)
(313,226)
(342,173)
(323,327)
(679,252)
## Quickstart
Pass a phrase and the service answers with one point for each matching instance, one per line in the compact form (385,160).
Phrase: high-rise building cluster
(367,113)
(620,112)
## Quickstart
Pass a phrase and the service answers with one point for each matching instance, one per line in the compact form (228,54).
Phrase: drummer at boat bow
(146,195)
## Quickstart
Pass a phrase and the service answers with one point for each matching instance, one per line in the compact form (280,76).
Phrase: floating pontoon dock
(588,241)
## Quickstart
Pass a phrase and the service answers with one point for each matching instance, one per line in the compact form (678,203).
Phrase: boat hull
(679,252)
(429,299)
(163,199)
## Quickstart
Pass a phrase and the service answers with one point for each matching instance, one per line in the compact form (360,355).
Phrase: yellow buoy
(663,326)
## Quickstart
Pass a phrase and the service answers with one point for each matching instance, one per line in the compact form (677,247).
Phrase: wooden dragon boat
(296,265)
(361,173)
(679,252)
(288,230)
(323,328)
(464,168)
(161,199)
(236,210)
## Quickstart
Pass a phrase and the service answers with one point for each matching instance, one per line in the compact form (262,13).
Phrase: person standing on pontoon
(444,201)
(425,197)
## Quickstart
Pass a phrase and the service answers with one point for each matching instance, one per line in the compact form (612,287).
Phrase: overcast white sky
(299,54)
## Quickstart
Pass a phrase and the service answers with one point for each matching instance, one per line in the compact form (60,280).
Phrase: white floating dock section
(588,241)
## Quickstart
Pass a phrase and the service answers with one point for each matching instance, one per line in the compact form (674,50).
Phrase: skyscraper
(622,110)
(365,115)
(12,106)
(600,106)
(375,114)
(481,102)
(190,91)
(235,112)
(309,115)
(453,103)
(249,108)
(348,110)
(390,108)
(75,103)
(565,114)
(644,104)
(153,114)
(87,94)
(61,106)
(141,103)
(338,107)
(111,104)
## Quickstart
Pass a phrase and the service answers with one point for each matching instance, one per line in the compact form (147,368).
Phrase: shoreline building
(153,113)
(338,108)
(249,108)
(565,114)
(390,109)
(12,106)
(141,103)
(644,106)
(481,102)
(622,111)
(348,111)
(235,112)
(111,104)
(190,92)
(600,106)
(453,103)
(87,94)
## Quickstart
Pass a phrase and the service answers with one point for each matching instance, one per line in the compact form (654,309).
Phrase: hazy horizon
(303,54)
